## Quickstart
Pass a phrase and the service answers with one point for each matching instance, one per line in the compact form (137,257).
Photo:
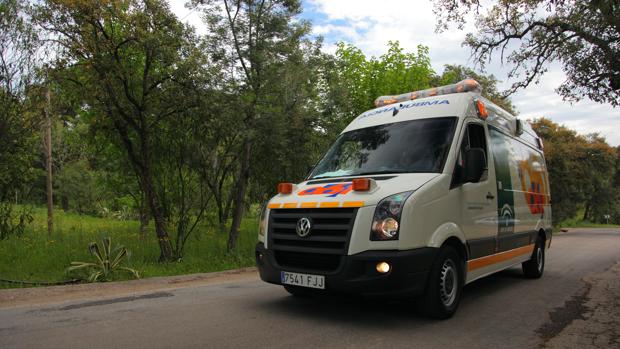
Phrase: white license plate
(303,280)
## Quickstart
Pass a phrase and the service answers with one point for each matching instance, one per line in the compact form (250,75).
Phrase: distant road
(500,311)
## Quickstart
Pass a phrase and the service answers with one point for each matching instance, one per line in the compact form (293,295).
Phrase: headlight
(386,221)
(262,223)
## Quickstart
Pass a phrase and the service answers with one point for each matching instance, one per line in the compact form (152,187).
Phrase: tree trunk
(228,206)
(64,203)
(144,217)
(242,183)
(586,212)
(48,165)
(165,246)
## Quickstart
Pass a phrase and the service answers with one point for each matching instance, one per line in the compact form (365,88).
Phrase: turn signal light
(361,184)
(285,188)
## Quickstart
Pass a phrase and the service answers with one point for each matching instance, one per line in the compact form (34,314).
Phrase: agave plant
(106,264)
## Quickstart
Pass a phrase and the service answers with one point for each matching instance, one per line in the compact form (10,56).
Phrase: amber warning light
(482,110)
(285,188)
(361,184)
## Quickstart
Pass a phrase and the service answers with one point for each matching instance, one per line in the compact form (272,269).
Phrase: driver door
(477,201)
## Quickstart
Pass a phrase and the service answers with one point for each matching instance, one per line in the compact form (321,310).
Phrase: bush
(12,222)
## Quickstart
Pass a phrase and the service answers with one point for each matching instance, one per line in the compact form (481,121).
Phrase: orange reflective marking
(327,204)
(498,257)
(353,204)
(330,204)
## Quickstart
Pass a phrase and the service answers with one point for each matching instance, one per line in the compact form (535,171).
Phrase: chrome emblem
(304,226)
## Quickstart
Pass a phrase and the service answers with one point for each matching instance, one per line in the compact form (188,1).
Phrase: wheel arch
(444,232)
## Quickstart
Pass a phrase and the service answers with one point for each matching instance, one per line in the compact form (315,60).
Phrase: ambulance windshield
(418,146)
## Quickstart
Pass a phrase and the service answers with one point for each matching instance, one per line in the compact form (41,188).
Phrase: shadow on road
(377,313)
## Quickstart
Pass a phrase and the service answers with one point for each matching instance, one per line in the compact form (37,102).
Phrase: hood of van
(338,192)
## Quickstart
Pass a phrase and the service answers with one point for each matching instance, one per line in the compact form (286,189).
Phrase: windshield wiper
(377,172)
(360,174)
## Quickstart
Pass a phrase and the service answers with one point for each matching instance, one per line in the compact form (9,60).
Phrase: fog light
(383,267)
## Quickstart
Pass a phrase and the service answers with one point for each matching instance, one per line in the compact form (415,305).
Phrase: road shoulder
(599,324)
(20,297)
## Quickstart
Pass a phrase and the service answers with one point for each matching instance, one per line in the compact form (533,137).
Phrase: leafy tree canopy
(529,35)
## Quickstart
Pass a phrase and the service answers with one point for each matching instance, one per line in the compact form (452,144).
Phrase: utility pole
(48,163)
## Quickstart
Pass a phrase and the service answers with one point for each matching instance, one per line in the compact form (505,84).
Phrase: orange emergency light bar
(467,85)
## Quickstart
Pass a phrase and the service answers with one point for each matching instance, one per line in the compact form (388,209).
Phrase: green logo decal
(505,196)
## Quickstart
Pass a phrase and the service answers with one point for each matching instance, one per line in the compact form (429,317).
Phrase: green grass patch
(578,222)
(35,256)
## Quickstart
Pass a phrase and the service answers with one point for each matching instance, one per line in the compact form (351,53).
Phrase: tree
(599,161)
(19,117)
(581,171)
(529,35)
(254,38)
(139,71)
(352,81)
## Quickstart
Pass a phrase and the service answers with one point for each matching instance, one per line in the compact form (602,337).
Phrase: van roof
(452,100)
(430,107)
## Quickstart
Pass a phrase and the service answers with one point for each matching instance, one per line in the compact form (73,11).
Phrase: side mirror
(475,161)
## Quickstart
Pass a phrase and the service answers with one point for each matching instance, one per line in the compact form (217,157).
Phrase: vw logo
(304,226)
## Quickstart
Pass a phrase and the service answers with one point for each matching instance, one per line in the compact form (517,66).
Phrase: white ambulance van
(418,197)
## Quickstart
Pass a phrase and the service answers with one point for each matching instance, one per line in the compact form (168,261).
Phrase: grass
(35,256)
(577,222)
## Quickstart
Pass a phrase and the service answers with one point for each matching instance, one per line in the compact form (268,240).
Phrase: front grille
(322,248)
(308,261)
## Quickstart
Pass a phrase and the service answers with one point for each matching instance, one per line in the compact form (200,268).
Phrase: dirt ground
(597,324)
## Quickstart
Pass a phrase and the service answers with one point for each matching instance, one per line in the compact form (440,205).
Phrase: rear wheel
(443,292)
(535,266)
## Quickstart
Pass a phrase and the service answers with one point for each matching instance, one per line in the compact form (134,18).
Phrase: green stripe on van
(502,153)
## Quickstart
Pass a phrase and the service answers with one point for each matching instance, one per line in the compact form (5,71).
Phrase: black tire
(535,266)
(445,285)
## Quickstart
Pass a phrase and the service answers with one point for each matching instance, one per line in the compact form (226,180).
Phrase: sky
(369,25)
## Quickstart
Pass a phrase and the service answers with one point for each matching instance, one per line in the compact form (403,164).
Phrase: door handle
(490,196)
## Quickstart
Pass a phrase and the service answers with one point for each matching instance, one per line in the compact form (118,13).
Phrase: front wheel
(443,292)
(535,266)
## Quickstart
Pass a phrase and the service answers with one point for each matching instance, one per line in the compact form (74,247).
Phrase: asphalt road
(504,310)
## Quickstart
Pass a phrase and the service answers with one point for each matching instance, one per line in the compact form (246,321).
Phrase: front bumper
(357,273)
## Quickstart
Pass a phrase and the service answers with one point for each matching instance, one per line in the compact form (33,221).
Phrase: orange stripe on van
(330,204)
(353,204)
(498,257)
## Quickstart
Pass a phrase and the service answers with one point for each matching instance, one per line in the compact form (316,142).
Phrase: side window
(474,137)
